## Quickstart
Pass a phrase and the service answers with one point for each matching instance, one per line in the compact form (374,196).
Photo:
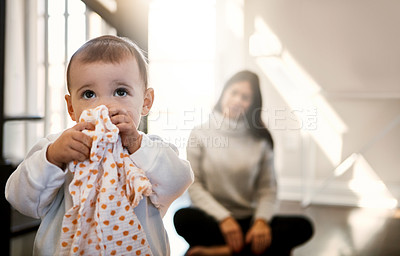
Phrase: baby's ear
(148,101)
(69,107)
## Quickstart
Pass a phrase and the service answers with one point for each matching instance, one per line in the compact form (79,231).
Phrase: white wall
(336,62)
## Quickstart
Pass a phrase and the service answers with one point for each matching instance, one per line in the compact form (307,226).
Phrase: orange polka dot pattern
(105,190)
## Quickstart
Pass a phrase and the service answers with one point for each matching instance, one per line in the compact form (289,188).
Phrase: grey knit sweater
(234,172)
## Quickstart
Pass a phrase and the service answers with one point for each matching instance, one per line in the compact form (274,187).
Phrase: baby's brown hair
(110,49)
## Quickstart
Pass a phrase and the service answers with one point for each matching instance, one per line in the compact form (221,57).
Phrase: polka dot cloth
(105,190)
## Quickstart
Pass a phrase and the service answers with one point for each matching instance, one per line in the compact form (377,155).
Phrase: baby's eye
(121,92)
(88,94)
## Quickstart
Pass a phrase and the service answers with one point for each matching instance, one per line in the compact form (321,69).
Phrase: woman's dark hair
(253,114)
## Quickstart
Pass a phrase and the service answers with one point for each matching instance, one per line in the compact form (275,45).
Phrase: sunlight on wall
(111,5)
(263,42)
(345,165)
(372,192)
(300,91)
(234,17)
(297,88)
(324,133)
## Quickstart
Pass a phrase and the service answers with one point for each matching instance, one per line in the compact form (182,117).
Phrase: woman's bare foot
(221,250)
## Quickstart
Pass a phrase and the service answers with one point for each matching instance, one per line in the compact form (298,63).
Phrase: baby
(109,71)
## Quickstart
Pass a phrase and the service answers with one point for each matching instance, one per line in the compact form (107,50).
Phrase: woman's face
(237,99)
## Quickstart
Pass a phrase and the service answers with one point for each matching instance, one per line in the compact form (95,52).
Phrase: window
(181,56)
(39,45)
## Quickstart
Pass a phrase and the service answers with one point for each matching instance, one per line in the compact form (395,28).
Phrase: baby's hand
(72,145)
(130,137)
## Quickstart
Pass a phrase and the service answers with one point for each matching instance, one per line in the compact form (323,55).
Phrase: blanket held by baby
(105,190)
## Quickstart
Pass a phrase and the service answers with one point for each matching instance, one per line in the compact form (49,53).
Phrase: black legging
(199,228)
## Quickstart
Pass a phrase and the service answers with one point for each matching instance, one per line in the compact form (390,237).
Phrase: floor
(348,231)
(339,231)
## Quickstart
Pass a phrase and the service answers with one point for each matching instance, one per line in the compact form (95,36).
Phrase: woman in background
(234,192)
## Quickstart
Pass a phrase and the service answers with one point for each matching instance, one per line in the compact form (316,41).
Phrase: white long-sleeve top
(39,189)
(234,172)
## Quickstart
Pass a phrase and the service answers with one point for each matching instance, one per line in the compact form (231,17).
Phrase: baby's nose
(111,106)
(109,103)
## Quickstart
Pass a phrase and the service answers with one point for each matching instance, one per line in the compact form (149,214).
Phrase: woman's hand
(232,232)
(130,137)
(72,145)
(259,236)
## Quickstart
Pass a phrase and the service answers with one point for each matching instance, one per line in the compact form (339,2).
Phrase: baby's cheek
(136,119)
(134,111)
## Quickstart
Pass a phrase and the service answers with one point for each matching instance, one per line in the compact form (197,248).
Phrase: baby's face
(115,85)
